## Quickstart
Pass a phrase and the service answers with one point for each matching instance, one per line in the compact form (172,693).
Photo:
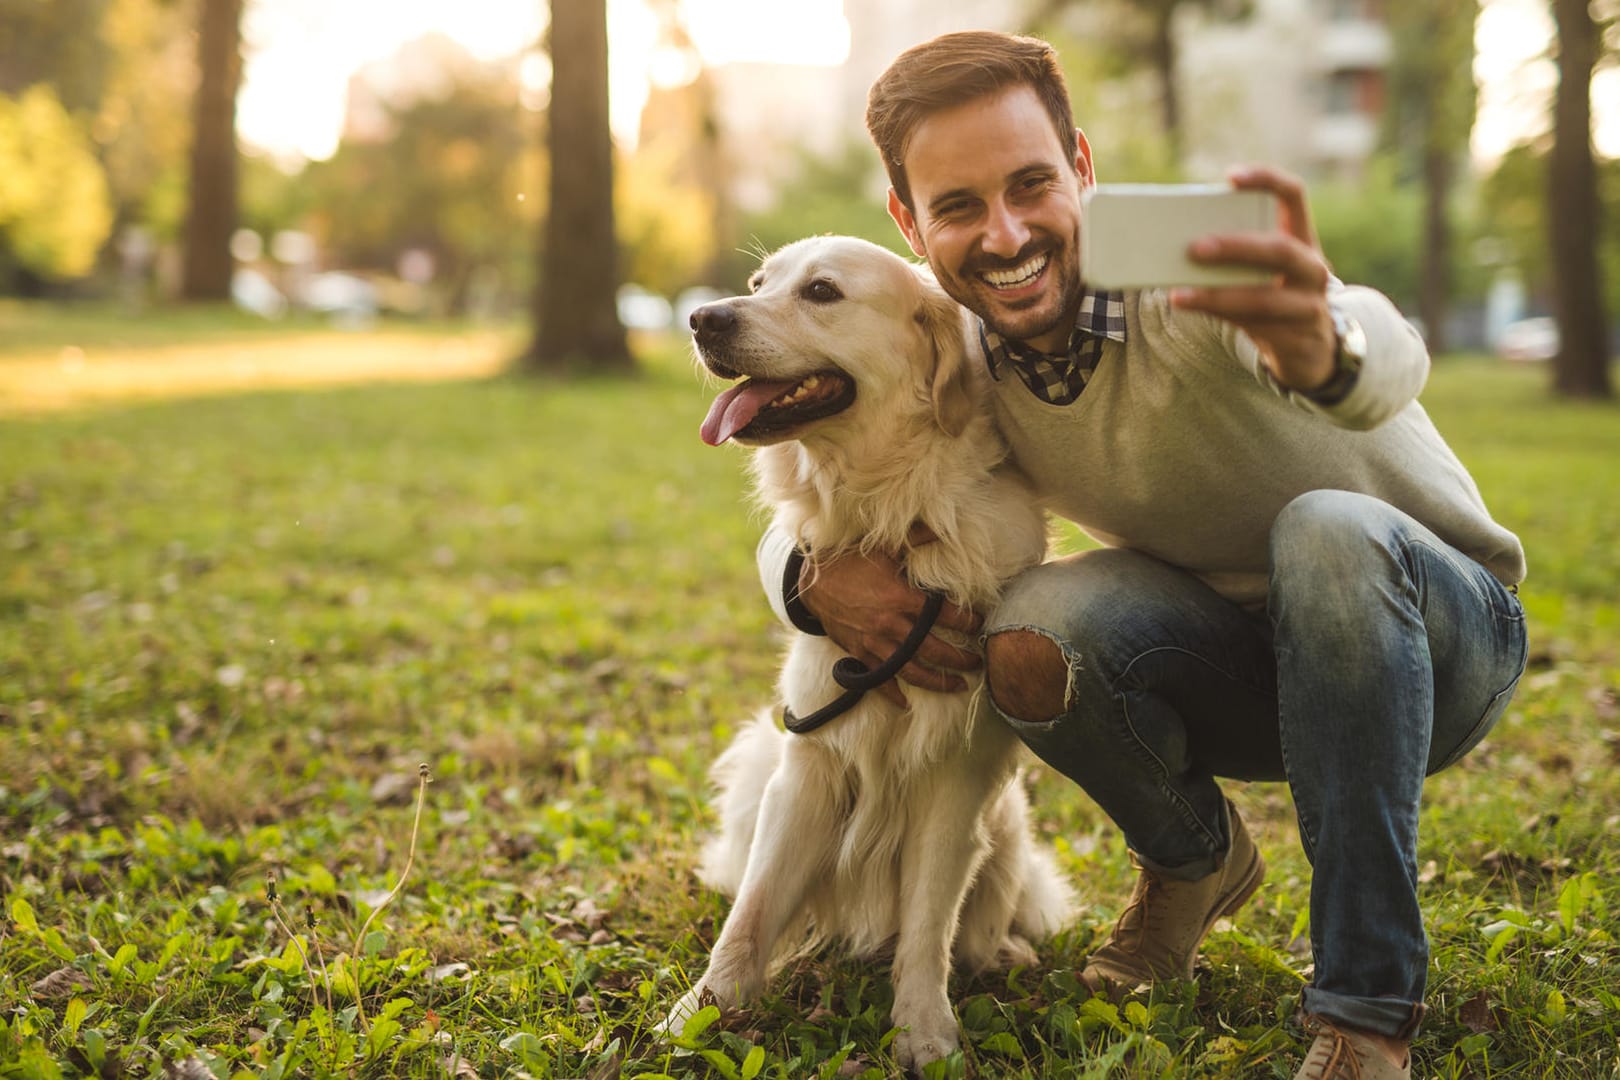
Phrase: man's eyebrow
(1038,168)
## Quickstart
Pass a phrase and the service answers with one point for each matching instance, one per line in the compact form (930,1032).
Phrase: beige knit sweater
(1181,446)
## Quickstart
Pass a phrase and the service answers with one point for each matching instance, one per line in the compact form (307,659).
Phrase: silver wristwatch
(1349,353)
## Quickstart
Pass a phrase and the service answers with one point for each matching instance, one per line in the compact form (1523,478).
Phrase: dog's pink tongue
(736,406)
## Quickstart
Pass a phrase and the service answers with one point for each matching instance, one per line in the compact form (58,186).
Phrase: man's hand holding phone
(1247,254)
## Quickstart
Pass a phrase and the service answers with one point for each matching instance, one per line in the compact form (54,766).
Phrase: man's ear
(904,218)
(949,383)
(1082,160)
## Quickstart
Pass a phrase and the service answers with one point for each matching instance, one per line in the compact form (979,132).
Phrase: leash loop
(856,678)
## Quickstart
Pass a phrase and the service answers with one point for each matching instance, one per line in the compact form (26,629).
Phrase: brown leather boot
(1346,1054)
(1158,934)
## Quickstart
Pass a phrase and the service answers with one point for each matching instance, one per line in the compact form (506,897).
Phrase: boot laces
(1341,1059)
(1142,914)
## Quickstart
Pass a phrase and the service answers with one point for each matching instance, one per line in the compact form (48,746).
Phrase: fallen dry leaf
(1477,1015)
(607,1070)
(445,971)
(393,788)
(190,1068)
(457,1066)
(61,983)
(588,915)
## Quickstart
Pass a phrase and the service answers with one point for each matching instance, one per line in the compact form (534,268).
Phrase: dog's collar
(856,678)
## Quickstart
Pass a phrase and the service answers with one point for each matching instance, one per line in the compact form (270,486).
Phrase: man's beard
(1056,303)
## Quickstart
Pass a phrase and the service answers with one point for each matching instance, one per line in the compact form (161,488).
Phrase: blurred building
(878,32)
(1296,83)
(774,114)
(1300,84)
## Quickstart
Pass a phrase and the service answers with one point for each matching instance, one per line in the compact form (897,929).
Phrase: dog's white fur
(888,826)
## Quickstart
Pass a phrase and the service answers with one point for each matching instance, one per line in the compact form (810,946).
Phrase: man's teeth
(1018,275)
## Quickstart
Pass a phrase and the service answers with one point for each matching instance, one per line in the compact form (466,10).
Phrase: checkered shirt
(1058,380)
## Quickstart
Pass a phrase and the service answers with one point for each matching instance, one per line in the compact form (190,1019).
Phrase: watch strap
(1348,352)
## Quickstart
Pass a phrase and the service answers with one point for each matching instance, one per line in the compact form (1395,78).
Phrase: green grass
(231,627)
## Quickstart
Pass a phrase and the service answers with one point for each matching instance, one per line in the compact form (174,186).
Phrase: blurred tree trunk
(1581,368)
(1434,254)
(1162,55)
(1429,119)
(576,319)
(211,209)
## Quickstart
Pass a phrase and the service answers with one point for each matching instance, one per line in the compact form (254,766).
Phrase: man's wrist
(1349,350)
(792,601)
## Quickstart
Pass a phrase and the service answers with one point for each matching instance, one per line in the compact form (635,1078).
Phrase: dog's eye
(756,280)
(822,291)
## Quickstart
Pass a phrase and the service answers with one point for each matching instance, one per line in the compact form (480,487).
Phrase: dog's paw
(922,1041)
(1015,951)
(689,1005)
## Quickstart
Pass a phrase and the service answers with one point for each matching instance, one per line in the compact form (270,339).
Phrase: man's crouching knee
(1027,674)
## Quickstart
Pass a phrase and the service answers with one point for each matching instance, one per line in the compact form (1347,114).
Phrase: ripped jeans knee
(1028,675)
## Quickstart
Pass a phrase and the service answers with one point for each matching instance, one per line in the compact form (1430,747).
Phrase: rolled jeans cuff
(1389,1016)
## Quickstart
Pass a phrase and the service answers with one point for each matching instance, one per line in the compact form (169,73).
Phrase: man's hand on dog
(867,608)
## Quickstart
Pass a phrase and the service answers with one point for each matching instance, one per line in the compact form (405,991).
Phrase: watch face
(1356,340)
(1352,344)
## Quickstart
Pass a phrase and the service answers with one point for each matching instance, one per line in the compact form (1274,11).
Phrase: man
(1301,581)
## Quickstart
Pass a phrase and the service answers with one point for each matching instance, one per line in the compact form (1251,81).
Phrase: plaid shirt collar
(1059,379)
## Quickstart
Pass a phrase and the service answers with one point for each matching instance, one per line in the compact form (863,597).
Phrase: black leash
(856,678)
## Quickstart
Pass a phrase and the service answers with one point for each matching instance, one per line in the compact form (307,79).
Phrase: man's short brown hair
(951,70)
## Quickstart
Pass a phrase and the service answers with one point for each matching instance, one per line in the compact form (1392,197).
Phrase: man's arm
(1289,324)
(867,608)
(1392,372)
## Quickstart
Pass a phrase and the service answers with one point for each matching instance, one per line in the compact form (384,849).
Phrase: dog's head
(836,329)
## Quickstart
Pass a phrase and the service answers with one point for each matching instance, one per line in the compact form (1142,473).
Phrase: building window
(1353,10)
(1353,92)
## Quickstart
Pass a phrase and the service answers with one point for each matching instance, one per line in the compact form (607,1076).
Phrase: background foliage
(55,210)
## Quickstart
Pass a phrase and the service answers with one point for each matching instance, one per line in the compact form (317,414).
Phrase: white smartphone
(1135,236)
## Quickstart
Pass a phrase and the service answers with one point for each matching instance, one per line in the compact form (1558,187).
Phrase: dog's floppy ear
(941,320)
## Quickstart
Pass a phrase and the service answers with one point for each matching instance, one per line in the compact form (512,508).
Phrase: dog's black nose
(714,320)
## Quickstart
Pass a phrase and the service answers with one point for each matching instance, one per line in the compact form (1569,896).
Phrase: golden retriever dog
(889,827)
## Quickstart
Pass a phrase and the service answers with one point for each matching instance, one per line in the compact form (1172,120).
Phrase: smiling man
(1012,258)
(1300,581)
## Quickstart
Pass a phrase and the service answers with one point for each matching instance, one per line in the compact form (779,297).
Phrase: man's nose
(1005,233)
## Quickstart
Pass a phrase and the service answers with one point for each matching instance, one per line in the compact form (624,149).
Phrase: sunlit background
(392,152)
(302,53)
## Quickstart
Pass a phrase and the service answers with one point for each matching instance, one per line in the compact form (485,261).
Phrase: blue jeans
(1385,655)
